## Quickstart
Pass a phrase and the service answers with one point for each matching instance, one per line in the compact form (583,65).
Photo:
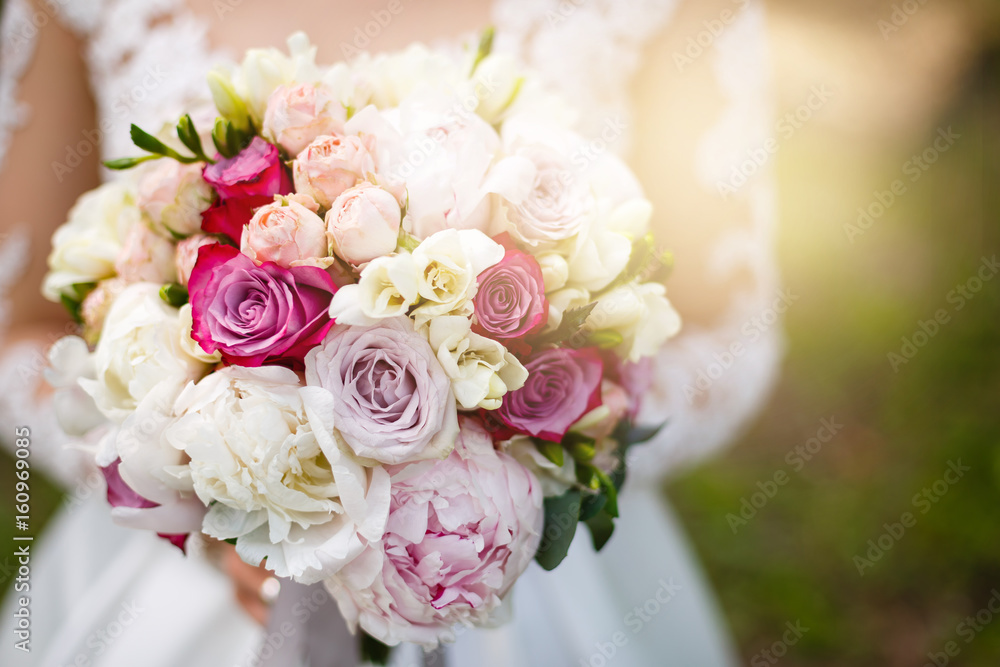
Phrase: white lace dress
(103,595)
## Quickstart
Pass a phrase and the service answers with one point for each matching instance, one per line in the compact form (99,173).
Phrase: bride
(677,88)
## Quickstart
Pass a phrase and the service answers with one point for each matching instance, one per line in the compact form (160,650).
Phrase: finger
(254,606)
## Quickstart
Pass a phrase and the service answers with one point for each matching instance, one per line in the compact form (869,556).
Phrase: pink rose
(187,255)
(244,183)
(255,171)
(394,401)
(297,114)
(255,314)
(459,535)
(600,423)
(288,233)
(363,223)
(173,196)
(95,307)
(331,164)
(563,385)
(145,257)
(510,302)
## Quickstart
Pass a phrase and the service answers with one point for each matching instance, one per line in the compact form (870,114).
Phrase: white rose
(263,454)
(387,288)
(363,223)
(448,264)
(85,248)
(481,370)
(297,114)
(642,315)
(139,349)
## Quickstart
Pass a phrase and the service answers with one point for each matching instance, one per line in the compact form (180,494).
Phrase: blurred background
(901,75)
(889,402)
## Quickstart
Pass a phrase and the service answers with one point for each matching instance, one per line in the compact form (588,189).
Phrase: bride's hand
(247,582)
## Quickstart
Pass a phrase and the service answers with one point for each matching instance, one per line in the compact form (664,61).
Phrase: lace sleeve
(22,363)
(591,52)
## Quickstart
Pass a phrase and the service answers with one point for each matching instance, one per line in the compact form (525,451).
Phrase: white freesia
(448,264)
(387,288)
(262,453)
(139,349)
(481,370)
(263,70)
(85,248)
(555,270)
(497,81)
(641,314)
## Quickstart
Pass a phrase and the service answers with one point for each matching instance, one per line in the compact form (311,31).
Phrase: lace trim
(19,34)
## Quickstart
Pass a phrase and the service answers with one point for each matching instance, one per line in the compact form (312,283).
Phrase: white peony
(85,248)
(264,457)
(481,370)
(643,316)
(139,350)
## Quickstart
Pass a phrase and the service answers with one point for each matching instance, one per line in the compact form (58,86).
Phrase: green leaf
(234,139)
(643,261)
(174,294)
(592,504)
(151,144)
(230,540)
(601,527)
(374,651)
(562,513)
(129,162)
(571,324)
(611,489)
(220,134)
(629,434)
(586,475)
(189,137)
(553,451)
(485,47)
(73,302)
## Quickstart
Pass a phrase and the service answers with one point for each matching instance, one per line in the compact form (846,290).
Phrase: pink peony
(256,314)
(331,164)
(121,494)
(563,385)
(460,532)
(297,114)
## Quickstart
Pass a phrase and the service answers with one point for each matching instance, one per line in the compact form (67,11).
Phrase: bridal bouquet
(380,325)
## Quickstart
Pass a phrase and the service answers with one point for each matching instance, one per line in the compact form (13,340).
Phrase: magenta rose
(121,494)
(254,314)
(510,302)
(244,183)
(459,534)
(563,385)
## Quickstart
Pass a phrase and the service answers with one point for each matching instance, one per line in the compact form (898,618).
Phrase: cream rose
(331,164)
(297,114)
(173,196)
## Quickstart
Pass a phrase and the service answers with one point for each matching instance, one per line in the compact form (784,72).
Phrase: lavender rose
(252,314)
(510,302)
(394,399)
(562,386)
(459,534)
